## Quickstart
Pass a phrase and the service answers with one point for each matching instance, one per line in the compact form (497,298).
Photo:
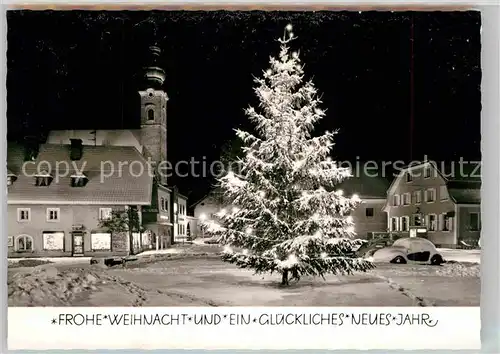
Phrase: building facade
(62,192)
(181,222)
(57,201)
(443,206)
(371,186)
(206,209)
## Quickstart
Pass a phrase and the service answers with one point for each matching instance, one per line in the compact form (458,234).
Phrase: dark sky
(75,69)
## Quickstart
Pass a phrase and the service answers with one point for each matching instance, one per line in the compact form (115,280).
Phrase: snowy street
(204,280)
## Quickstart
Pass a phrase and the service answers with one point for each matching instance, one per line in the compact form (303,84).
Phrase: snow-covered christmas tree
(287,216)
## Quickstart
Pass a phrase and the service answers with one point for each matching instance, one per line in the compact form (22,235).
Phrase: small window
(406,199)
(105,213)
(52,214)
(432,222)
(445,222)
(162,204)
(418,197)
(394,224)
(427,172)
(395,200)
(23,214)
(404,223)
(151,114)
(474,222)
(430,195)
(409,177)
(369,212)
(24,243)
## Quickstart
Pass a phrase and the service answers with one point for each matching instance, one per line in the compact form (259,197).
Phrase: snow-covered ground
(195,248)
(165,251)
(63,260)
(457,255)
(192,275)
(207,281)
(46,285)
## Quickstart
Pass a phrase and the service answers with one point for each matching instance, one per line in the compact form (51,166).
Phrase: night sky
(78,70)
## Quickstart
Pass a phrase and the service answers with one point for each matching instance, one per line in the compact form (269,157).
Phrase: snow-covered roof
(465,192)
(117,186)
(215,193)
(462,179)
(366,185)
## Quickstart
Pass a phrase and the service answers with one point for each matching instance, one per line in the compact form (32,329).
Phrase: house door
(77,243)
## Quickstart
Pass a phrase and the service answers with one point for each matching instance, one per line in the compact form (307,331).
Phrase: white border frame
(490,189)
(490,144)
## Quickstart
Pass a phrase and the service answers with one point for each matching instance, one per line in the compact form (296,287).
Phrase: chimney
(76,149)
(30,148)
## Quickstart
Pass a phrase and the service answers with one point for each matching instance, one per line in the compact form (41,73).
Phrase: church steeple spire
(154,75)
(154,111)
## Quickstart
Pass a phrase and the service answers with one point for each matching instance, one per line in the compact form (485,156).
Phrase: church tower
(154,112)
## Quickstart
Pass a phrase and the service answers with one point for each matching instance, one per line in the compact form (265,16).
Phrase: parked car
(410,249)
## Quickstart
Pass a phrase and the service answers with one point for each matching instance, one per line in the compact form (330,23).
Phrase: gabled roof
(107,182)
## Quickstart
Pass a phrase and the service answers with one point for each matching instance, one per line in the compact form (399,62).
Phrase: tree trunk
(131,240)
(284,277)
